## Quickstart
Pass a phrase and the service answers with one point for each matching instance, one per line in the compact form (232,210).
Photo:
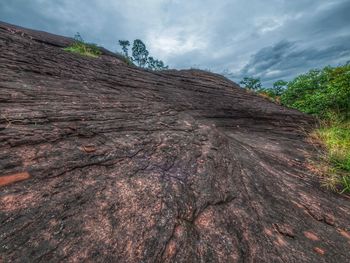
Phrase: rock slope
(108,163)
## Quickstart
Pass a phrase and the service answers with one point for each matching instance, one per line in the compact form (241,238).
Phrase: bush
(323,93)
(326,94)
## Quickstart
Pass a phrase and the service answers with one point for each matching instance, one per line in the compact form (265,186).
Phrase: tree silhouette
(251,83)
(279,87)
(124,44)
(155,64)
(139,53)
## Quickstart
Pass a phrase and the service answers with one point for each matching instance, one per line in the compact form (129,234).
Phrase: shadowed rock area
(109,163)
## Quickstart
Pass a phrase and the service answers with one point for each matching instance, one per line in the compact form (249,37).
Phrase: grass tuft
(84,49)
(336,139)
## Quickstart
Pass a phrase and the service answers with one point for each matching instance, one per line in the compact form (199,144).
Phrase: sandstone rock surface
(111,163)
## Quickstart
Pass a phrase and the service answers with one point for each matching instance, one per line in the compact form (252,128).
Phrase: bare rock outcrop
(104,162)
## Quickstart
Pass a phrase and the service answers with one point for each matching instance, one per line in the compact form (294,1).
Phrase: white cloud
(174,42)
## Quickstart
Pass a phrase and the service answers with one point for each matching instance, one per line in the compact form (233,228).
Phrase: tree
(155,64)
(151,63)
(279,87)
(140,53)
(78,38)
(160,65)
(251,83)
(125,44)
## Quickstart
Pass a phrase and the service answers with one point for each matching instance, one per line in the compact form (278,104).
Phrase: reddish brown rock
(128,165)
(13,178)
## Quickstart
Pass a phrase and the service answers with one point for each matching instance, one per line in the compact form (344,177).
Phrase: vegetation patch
(335,167)
(82,48)
(325,94)
(140,55)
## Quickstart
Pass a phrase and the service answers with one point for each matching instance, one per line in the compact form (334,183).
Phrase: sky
(269,39)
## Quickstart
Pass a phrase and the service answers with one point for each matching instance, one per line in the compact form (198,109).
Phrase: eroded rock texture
(127,165)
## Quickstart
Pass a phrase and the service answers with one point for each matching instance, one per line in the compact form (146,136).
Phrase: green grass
(336,139)
(84,49)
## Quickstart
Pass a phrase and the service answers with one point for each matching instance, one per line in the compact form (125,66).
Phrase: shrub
(323,93)
(326,94)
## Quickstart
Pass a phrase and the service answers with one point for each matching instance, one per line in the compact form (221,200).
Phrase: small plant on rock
(82,48)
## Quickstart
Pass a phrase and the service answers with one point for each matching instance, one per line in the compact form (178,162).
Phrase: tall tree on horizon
(140,53)
(125,44)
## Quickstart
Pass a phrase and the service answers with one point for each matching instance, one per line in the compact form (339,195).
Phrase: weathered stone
(128,165)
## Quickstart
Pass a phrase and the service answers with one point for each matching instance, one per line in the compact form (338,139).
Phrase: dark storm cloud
(286,59)
(270,39)
(268,57)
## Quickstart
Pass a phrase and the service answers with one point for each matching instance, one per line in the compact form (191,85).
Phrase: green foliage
(324,93)
(273,94)
(82,48)
(346,184)
(125,44)
(336,139)
(279,87)
(321,92)
(155,64)
(251,83)
(140,55)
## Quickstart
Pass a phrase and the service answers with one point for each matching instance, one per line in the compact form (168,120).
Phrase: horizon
(273,41)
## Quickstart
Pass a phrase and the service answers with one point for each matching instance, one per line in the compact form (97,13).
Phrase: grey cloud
(287,59)
(268,57)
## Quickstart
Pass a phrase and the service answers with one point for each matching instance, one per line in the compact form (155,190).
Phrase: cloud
(271,39)
(174,42)
(286,59)
(268,57)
